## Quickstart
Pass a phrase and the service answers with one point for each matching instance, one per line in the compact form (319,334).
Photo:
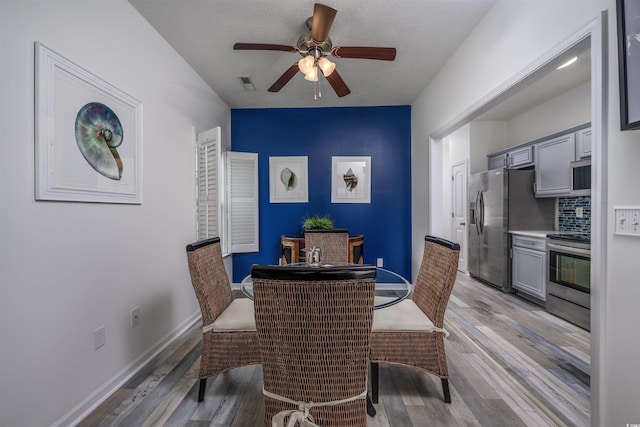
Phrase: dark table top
(391,288)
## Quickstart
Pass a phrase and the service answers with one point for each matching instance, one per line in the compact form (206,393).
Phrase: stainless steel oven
(569,278)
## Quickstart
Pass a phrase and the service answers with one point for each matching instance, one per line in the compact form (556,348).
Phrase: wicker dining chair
(314,326)
(229,337)
(334,244)
(411,332)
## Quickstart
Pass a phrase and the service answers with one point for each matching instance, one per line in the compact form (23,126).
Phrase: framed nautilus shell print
(88,135)
(288,179)
(351,179)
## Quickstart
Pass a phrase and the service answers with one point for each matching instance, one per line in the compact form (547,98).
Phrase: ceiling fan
(314,49)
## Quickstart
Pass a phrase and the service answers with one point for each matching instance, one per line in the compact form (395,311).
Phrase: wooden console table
(292,248)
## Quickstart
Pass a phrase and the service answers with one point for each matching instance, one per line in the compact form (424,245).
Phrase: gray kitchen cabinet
(520,157)
(529,265)
(553,176)
(583,143)
(513,159)
(498,161)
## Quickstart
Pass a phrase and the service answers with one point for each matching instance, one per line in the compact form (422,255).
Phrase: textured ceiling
(424,32)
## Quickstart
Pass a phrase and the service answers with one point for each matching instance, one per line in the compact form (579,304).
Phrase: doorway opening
(593,37)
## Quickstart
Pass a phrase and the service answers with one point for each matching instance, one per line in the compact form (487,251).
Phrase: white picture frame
(350,179)
(71,103)
(288,179)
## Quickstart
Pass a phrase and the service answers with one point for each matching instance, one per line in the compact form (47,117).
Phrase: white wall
(563,112)
(67,268)
(486,138)
(512,35)
(459,146)
(439,159)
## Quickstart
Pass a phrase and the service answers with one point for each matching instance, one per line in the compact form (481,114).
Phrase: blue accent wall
(384,133)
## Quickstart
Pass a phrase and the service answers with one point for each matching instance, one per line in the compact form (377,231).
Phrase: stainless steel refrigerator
(501,200)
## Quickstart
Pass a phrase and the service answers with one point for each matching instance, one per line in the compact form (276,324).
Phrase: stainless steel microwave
(581,178)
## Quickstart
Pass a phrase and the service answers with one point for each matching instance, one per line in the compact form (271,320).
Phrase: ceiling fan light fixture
(326,66)
(306,64)
(312,75)
(314,47)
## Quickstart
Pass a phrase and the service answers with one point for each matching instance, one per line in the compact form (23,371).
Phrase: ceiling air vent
(248,84)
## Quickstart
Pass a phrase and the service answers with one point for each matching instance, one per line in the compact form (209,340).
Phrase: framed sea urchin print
(351,179)
(288,179)
(88,135)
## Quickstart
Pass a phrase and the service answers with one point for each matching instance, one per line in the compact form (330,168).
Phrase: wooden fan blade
(322,20)
(263,46)
(284,78)
(365,52)
(338,85)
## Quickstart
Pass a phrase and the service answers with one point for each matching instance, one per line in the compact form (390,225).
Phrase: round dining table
(391,288)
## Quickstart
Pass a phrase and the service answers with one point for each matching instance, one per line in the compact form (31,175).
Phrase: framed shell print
(288,179)
(88,135)
(351,179)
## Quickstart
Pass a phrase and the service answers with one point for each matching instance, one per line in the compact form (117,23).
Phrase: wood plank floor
(510,364)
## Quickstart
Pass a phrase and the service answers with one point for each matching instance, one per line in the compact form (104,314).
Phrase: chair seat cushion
(404,316)
(238,316)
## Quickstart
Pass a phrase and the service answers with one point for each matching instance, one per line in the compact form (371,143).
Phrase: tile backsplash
(567,220)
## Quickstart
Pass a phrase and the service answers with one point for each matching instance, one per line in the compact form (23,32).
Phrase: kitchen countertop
(533,233)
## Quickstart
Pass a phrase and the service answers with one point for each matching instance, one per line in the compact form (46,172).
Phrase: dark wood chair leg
(371,410)
(374,382)
(445,390)
(203,387)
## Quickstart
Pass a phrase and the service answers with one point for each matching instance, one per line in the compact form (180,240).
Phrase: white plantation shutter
(209,178)
(242,199)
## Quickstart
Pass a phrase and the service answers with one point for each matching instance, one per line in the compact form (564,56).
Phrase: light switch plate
(627,220)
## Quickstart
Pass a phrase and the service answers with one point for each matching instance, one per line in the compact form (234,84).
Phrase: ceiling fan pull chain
(316,85)
(315,91)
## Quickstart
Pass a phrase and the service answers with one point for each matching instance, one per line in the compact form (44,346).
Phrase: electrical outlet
(579,212)
(380,262)
(135,316)
(99,337)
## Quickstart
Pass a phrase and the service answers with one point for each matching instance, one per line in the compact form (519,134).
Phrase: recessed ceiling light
(569,62)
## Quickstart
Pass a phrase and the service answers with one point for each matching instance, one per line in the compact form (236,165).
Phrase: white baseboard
(102,393)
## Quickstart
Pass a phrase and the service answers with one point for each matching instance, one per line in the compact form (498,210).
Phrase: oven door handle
(569,250)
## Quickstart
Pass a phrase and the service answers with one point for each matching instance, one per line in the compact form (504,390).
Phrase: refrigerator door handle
(476,211)
(481,222)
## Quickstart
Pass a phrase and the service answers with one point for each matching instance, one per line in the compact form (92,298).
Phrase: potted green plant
(317,222)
